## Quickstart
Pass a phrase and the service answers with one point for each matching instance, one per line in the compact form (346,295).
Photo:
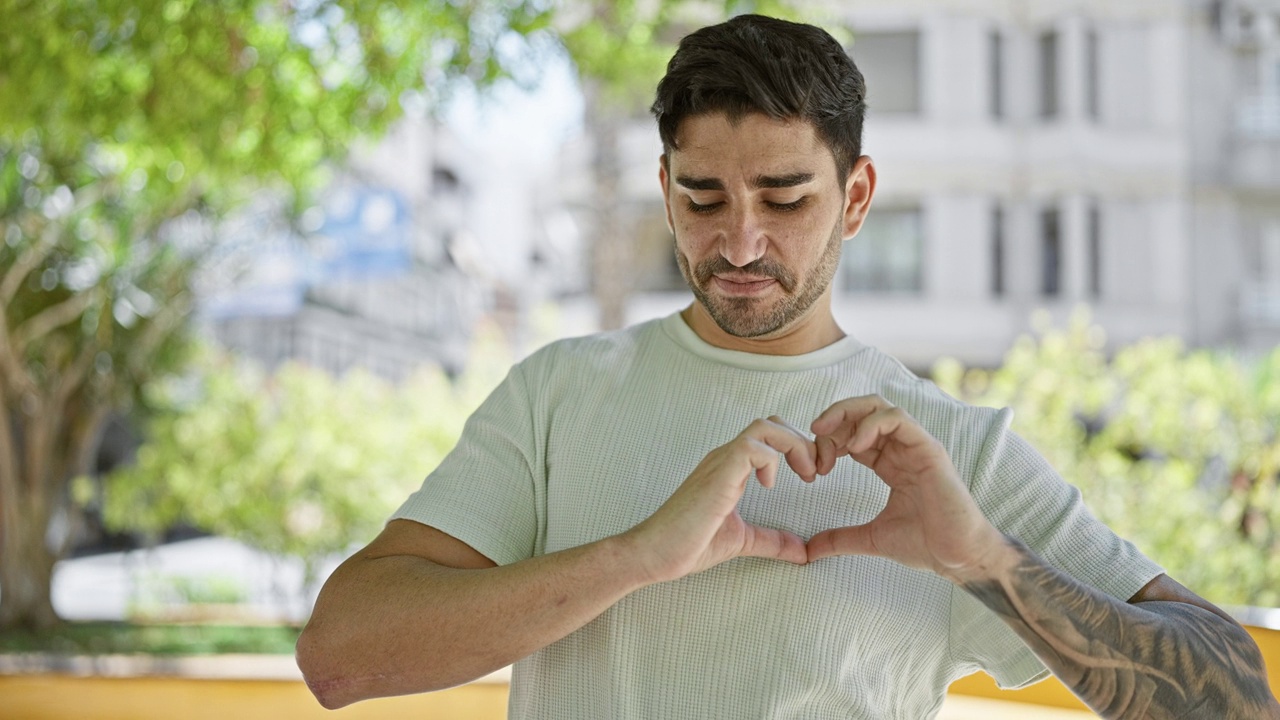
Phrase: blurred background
(260,259)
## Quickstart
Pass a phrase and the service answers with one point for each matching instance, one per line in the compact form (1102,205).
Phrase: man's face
(758,215)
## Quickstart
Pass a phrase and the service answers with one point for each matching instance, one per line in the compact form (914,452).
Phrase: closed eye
(709,207)
(788,207)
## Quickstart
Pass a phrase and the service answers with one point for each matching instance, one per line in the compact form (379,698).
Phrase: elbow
(326,680)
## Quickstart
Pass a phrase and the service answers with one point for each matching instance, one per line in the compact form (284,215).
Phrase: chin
(743,320)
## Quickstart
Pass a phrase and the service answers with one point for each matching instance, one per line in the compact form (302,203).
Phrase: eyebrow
(760,181)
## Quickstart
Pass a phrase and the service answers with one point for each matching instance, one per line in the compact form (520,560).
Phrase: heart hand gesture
(930,521)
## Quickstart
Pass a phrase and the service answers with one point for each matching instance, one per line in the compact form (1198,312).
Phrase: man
(600,523)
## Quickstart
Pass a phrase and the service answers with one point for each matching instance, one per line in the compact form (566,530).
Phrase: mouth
(742,286)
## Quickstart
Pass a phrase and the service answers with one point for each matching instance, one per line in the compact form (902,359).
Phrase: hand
(930,521)
(699,526)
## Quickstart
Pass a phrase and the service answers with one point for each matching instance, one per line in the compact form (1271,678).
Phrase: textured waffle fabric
(587,437)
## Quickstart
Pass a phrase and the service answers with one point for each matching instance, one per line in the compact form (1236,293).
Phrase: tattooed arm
(1168,654)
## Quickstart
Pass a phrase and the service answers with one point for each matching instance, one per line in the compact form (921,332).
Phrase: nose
(743,240)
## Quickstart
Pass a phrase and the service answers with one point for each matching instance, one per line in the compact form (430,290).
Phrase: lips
(742,286)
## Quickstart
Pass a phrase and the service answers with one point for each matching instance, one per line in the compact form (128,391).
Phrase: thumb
(853,540)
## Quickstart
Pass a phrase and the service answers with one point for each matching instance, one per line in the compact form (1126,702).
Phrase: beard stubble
(744,317)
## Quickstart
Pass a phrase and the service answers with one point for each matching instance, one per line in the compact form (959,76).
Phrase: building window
(1091,79)
(1258,113)
(1050,252)
(1095,251)
(997,251)
(890,61)
(1269,268)
(1048,56)
(886,255)
(995,73)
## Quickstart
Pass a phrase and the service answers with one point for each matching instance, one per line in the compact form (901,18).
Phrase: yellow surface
(964,707)
(53,697)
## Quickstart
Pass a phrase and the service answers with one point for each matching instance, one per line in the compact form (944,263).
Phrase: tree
(1176,450)
(120,121)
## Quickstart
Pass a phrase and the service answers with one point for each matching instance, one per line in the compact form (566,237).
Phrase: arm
(418,610)
(1152,658)
(1169,655)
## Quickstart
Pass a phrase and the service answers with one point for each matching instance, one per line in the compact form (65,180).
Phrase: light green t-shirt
(589,436)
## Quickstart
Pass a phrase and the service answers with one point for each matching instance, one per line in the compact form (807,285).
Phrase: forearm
(1150,660)
(400,624)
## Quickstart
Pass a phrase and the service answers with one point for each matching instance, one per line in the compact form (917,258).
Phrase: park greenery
(118,638)
(127,129)
(1175,449)
(294,462)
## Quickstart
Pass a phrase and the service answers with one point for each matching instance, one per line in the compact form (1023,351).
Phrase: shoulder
(597,348)
(947,418)
(576,363)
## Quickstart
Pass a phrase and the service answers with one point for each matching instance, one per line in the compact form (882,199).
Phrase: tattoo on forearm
(1152,660)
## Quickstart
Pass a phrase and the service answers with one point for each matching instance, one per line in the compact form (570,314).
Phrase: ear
(858,189)
(666,191)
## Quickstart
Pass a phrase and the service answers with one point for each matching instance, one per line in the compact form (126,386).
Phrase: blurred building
(1123,154)
(380,274)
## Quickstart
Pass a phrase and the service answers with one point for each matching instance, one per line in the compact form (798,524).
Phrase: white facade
(1123,155)
(1048,158)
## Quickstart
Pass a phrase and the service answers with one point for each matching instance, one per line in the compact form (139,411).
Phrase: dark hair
(760,64)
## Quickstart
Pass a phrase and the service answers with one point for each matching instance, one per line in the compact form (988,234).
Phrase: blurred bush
(1176,450)
(295,462)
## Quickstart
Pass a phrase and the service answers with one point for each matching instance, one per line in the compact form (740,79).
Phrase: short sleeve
(485,491)
(1023,496)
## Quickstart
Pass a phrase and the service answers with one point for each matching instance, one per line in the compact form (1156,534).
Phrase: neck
(812,331)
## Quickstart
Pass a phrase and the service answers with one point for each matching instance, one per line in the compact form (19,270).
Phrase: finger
(854,540)
(775,544)
(764,460)
(803,458)
(847,412)
(799,450)
(827,454)
(893,423)
(777,420)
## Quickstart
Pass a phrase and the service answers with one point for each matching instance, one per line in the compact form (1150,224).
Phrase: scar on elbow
(323,684)
(325,692)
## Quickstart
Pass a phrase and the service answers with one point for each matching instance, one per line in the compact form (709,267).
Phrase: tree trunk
(611,250)
(40,451)
(26,568)
(26,565)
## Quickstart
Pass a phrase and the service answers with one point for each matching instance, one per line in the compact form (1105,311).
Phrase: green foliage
(1176,450)
(213,92)
(112,638)
(189,590)
(91,294)
(623,46)
(293,463)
